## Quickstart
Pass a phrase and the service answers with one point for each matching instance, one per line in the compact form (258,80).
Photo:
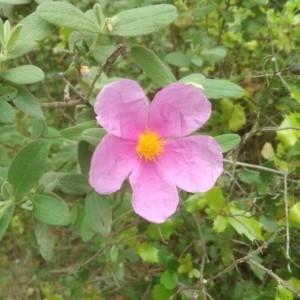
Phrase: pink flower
(151,145)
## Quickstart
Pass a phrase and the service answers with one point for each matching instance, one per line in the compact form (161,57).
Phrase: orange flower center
(149,145)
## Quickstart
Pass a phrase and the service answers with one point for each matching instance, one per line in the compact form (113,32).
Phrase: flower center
(149,145)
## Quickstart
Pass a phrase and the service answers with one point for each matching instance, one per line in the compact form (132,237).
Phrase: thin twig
(61,104)
(201,238)
(277,71)
(287,224)
(76,267)
(248,257)
(64,79)
(270,128)
(203,281)
(237,163)
(279,280)
(109,61)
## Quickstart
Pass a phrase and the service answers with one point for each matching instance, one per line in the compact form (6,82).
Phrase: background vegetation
(62,241)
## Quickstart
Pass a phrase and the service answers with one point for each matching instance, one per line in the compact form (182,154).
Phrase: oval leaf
(51,210)
(142,20)
(27,167)
(13,2)
(13,37)
(27,103)
(246,225)
(84,156)
(93,135)
(63,14)
(158,72)
(7,209)
(23,74)
(34,29)
(74,184)
(7,113)
(45,239)
(214,88)
(8,93)
(227,141)
(178,59)
(74,133)
(98,213)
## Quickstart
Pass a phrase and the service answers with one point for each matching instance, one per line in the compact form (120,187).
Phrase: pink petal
(178,110)
(112,161)
(122,109)
(154,197)
(194,163)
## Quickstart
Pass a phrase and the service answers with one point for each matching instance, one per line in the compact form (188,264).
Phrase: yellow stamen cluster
(149,145)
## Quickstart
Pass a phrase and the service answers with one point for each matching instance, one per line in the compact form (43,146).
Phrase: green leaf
(294,214)
(27,103)
(203,11)
(161,293)
(75,184)
(8,93)
(7,209)
(85,230)
(195,78)
(1,33)
(295,149)
(142,20)
(220,224)
(24,74)
(6,190)
(74,132)
(161,231)
(215,199)
(6,30)
(13,37)
(27,167)
(63,14)
(152,66)
(45,239)
(228,141)
(214,55)
(251,177)
(147,252)
(290,136)
(99,214)
(214,88)
(233,113)
(238,118)
(34,29)
(283,294)
(97,9)
(14,2)
(48,181)
(93,135)
(51,210)
(101,53)
(195,203)
(85,115)
(259,273)
(295,283)
(84,156)
(7,113)
(269,224)
(186,265)
(169,279)
(246,225)
(178,59)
